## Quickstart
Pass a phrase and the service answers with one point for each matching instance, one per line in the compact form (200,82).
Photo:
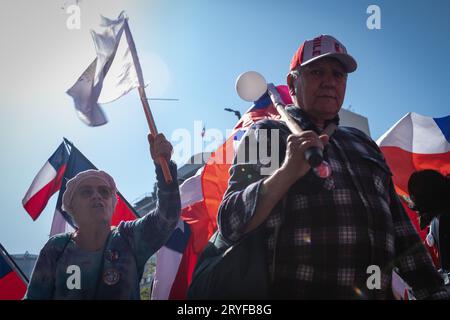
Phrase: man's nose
(329,80)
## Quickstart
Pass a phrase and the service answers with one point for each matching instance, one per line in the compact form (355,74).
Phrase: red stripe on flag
(215,177)
(185,271)
(201,225)
(12,287)
(253,116)
(36,204)
(122,213)
(404,163)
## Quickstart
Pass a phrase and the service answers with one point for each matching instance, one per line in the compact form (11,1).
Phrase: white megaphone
(250,86)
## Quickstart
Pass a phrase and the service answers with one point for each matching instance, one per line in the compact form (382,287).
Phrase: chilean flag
(415,143)
(200,198)
(13,283)
(215,175)
(78,163)
(63,165)
(177,258)
(47,182)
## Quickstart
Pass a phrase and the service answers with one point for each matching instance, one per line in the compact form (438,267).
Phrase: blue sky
(194,50)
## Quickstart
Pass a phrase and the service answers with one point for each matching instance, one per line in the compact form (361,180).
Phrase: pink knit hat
(73,184)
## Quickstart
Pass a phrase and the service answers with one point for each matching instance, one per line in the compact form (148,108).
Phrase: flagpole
(144,100)
(12,264)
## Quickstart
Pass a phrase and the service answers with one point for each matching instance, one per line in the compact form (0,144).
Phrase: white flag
(59,224)
(111,75)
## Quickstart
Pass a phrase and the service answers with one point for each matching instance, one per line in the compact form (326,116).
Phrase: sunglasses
(88,191)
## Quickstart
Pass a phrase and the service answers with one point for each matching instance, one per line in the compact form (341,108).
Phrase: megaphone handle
(313,155)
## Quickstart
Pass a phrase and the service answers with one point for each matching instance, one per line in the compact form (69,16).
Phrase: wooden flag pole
(144,100)
(154,132)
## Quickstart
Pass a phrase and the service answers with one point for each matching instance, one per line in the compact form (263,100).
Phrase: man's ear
(291,82)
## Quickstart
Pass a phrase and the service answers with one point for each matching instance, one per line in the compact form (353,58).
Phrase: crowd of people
(321,234)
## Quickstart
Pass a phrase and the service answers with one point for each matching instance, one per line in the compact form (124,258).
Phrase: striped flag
(47,182)
(65,163)
(200,199)
(176,260)
(415,143)
(13,282)
(215,175)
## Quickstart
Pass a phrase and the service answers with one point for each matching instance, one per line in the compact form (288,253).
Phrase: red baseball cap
(320,47)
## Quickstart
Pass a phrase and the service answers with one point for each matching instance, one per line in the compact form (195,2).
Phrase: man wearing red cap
(325,236)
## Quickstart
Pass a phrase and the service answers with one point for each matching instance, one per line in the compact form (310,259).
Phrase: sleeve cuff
(160,176)
(250,198)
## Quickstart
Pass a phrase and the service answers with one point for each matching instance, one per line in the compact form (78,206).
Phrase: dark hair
(430,191)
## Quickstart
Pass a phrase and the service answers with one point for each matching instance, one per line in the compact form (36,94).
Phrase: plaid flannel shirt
(328,232)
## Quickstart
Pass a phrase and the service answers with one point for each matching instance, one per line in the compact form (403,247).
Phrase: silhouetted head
(430,192)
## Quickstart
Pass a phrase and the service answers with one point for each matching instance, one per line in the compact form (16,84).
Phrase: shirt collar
(303,119)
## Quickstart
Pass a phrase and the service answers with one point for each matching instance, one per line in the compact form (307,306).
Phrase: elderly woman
(98,261)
